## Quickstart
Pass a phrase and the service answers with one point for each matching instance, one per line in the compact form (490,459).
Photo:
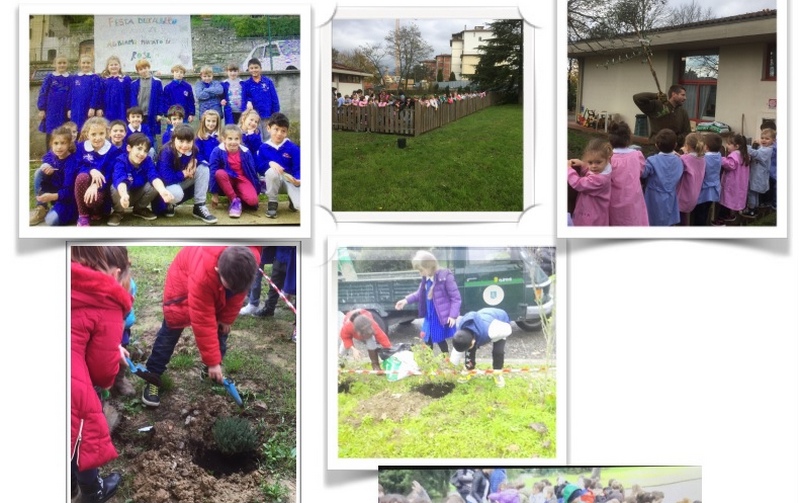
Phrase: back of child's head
(104,259)
(142,63)
(619,134)
(237,266)
(713,142)
(462,340)
(176,111)
(598,147)
(278,119)
(136,110)
(93,122)
(695,142)
(63,133)
(137,139)
(768,124)
(203,131)
(666,140)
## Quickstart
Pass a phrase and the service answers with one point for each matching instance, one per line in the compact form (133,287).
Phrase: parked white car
(285,55)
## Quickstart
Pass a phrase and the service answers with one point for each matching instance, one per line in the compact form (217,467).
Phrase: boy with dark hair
(135,181)
(258,92)
(279,163)
(662,172)
(478,328)
(135,117)
(204,288)
(175,116)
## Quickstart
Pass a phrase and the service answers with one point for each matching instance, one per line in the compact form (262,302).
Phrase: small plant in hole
(274,493)
(234,435)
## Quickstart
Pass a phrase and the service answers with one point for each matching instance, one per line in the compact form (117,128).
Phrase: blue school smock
(54,101)
(219,160)
(262,95)
(134,177)
(287,154)
(662,171)
(710,189)
(252,141)
(478,323)
(179,92)
(145,130)
(116,96)
(167,171)
(227,110)
(62,182)
(85,93)
(205,147)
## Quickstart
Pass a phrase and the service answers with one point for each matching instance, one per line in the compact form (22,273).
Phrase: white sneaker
(501,383)
(249,310)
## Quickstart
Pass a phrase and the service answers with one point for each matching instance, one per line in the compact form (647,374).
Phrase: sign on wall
(165,41)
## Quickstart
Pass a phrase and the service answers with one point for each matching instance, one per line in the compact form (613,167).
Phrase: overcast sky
(348,34)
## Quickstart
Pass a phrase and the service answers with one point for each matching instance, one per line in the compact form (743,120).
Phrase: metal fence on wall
(407,122)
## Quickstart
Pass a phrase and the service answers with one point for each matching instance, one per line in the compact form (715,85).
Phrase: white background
(680,351)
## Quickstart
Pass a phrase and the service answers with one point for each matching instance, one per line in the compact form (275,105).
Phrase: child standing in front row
(51,182)
(279,161)
(591,177)
(734,179)
(709,191)
(95,160)
(694,170)
(760,160)
(663,171)
(233,171)
(627,200)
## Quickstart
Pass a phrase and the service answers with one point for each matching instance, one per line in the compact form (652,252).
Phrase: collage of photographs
(526,280)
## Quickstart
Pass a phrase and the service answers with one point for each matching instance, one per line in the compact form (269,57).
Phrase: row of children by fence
(78,97)
(384,99)
(113,167)
(711,175)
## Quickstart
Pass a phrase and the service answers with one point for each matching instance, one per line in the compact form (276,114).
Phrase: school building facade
(727,65)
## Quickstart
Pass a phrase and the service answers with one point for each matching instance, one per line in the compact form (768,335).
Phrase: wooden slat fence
(408,122)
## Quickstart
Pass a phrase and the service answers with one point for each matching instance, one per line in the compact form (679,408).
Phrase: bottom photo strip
(183,373)
(564,484)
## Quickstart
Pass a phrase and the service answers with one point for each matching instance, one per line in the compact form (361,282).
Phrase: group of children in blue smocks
(98,126)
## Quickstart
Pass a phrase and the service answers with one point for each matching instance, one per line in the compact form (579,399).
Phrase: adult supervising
(665,111)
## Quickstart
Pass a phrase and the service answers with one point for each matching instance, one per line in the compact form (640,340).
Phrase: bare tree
(374,53)
(690,13)
(411,48)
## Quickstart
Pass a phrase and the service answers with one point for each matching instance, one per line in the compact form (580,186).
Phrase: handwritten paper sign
(164,41)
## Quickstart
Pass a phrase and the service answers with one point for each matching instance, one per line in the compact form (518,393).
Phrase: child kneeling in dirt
(359,324)
(477,328)
(204,288)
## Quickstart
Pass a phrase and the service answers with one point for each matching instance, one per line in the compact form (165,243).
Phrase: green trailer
(507,278)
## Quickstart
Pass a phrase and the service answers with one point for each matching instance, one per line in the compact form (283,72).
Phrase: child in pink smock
(735,179)
(694,169)
(627,199)
(591,177)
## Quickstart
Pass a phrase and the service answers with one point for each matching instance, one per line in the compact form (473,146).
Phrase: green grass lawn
(382,419)
(474,164)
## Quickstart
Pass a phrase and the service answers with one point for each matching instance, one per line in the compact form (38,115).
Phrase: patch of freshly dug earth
(435,389)
(394,406)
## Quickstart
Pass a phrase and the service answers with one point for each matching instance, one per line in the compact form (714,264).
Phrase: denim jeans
(166,340)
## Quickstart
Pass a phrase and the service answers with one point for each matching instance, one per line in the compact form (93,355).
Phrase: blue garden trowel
(232,391)
(140,370)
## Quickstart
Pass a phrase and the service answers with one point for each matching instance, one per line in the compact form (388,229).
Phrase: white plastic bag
(400,365)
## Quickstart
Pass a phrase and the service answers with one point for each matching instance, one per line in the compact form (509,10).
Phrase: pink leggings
(82,183)
(237,187)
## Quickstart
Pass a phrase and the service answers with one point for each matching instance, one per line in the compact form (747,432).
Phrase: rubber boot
(373,357)
(101,490)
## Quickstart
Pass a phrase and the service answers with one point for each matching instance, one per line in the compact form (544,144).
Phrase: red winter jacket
(194,296)
(348,331)
(98,307)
